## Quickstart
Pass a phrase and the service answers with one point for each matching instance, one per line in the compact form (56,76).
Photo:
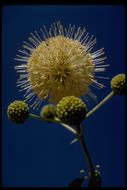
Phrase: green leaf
(77,182)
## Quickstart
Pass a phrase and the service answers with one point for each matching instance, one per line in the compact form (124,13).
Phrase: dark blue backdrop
(38,153)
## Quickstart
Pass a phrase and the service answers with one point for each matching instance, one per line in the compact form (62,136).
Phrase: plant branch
(56,120)
(85,150)
(100,104)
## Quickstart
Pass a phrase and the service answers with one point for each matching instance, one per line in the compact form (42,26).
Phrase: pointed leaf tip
(76,182)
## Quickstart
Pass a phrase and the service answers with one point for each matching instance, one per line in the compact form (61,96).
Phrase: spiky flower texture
(58,64)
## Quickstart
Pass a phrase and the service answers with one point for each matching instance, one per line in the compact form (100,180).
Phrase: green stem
(56,120)
(100,104)
(66,126)
(85,150)
(33,116)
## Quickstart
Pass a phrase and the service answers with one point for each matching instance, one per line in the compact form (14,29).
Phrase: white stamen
(84,39)
(53,29)
(94,85)
(22,71)
(45,38)
(23,57)
(24,52)
(21,82)
(92,95)
(23,66)
(29,45)
(77,33)
(28,87)
(30,49)
(98,53)
(82,32)
(98,84)
(103,65)
(73,28)
(23,60)
(68,30)
(22,76)
(46,31)
(37,104)
(99,69)
(37,41)
(101,77)
(91,44)
(33,42)
(39,38)
(29,96)
(24,85)
(50,33)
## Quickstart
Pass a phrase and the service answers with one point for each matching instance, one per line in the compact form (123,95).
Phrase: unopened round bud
(71,110)
(48,111)
(118,84)
(18,111)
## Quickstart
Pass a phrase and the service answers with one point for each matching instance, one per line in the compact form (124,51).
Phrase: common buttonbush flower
(60,62)
(60,66)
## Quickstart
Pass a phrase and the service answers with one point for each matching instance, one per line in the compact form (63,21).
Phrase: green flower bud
(118,84)
(71,110)
(48,111)
(18,112)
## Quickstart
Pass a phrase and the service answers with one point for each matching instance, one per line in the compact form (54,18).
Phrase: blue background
(38,154)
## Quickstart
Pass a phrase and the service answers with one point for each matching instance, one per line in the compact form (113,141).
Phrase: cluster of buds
(70,110)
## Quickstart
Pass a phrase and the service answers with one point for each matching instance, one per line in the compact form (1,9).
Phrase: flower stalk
(55,120)
(85,150)
(100,104)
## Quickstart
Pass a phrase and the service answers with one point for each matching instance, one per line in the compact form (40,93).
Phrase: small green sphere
(71,110)
(48,111)
(118,84)
(18,111)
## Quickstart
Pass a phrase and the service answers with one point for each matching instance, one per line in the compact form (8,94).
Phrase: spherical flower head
(18,112)
(48,111)
(118,84)
(71,110)
(59,63)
